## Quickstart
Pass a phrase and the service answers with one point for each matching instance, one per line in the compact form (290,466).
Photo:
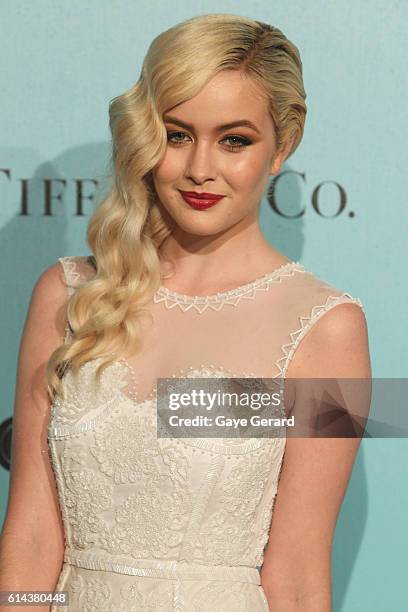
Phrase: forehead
(229,95)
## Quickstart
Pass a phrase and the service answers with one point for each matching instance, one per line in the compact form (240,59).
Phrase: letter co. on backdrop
(339,205)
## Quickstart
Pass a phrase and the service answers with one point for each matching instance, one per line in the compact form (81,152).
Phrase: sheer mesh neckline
(230,296)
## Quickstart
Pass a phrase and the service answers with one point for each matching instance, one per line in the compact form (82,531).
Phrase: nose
(200,164)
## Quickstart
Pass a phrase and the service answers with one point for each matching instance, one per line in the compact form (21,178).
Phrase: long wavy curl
(128,227)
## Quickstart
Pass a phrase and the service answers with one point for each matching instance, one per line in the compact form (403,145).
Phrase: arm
(32,540)
(296,573)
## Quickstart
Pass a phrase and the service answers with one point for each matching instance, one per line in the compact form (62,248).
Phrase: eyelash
(244,141)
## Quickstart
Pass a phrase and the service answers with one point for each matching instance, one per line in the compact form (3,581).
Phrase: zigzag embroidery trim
(306,323)
(232,297)
(72,277)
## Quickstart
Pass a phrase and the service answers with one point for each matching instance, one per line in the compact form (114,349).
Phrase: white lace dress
(164,524)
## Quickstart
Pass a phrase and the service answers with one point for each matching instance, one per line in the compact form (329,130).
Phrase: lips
(201,200)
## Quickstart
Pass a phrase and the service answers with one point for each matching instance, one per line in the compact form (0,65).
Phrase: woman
(182,284)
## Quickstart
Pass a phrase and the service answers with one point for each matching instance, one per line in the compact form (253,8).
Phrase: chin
(201,226)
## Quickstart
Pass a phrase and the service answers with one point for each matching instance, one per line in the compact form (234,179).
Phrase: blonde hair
(129,226)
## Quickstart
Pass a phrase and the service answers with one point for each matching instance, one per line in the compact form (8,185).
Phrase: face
(203,155)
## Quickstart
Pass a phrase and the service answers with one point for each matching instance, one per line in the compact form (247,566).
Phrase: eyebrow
(218,128)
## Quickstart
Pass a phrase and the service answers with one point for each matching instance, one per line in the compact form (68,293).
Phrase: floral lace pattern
(125,491)
(83,393)
(225,597)
(92,593)
(143,523)
(235,523)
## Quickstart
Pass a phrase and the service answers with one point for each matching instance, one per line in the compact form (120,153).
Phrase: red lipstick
(201,200)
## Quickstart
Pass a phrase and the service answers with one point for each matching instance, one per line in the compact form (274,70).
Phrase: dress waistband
(154,568)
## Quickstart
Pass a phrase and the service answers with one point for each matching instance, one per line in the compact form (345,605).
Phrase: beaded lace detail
(216,301)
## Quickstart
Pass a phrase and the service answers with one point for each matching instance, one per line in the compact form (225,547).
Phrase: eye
(240,142)
(174,137)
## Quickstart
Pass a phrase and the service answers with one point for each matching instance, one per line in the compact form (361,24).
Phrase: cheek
(168,168)
(248,172)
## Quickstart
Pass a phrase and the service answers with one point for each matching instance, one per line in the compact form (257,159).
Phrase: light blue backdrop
(62,62)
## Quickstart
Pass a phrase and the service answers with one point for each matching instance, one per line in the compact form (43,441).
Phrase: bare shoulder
(51,279)
(335,346)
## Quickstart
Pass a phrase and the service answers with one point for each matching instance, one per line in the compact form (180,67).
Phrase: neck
(237,255)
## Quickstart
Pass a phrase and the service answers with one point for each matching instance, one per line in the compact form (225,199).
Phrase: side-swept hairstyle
(129,225)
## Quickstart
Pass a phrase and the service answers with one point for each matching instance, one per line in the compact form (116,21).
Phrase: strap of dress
(76,271)
(71,274)
(72,278)
(306,323)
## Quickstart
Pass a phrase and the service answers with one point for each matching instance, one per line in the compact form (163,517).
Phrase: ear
(280,157)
